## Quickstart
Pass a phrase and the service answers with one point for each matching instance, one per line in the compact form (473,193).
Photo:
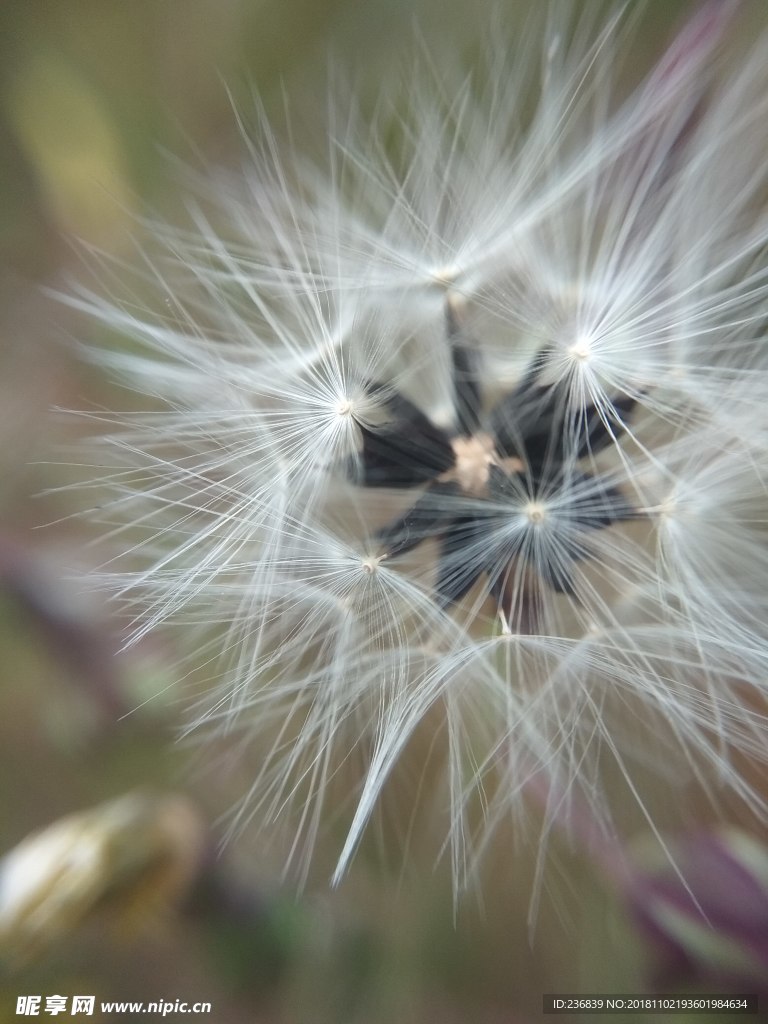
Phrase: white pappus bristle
(454,443)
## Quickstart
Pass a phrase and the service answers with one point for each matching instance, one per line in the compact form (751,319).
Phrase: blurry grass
(92,91)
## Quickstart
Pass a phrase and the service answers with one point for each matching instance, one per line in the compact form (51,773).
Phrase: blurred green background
(97,99)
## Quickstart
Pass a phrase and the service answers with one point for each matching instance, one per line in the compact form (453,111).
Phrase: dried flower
(458,451)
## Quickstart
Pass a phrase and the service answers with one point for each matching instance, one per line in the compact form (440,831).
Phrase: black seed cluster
(531,425)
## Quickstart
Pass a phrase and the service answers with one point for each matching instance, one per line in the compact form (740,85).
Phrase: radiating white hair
(587,277)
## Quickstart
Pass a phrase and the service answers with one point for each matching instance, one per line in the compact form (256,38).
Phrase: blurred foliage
(94,96)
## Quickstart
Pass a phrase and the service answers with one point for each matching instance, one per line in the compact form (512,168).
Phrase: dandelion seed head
(460,441)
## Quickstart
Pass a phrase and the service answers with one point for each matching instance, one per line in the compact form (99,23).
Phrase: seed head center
(535,512)
(474,457)
(668,507)
(445,276)
(371,565)
(581,349)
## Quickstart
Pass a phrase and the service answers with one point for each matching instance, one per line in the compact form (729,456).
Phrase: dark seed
(433,513)
(597,505)
(466,386)
(533,423)
(407,450)
(460,563)
(596,434)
